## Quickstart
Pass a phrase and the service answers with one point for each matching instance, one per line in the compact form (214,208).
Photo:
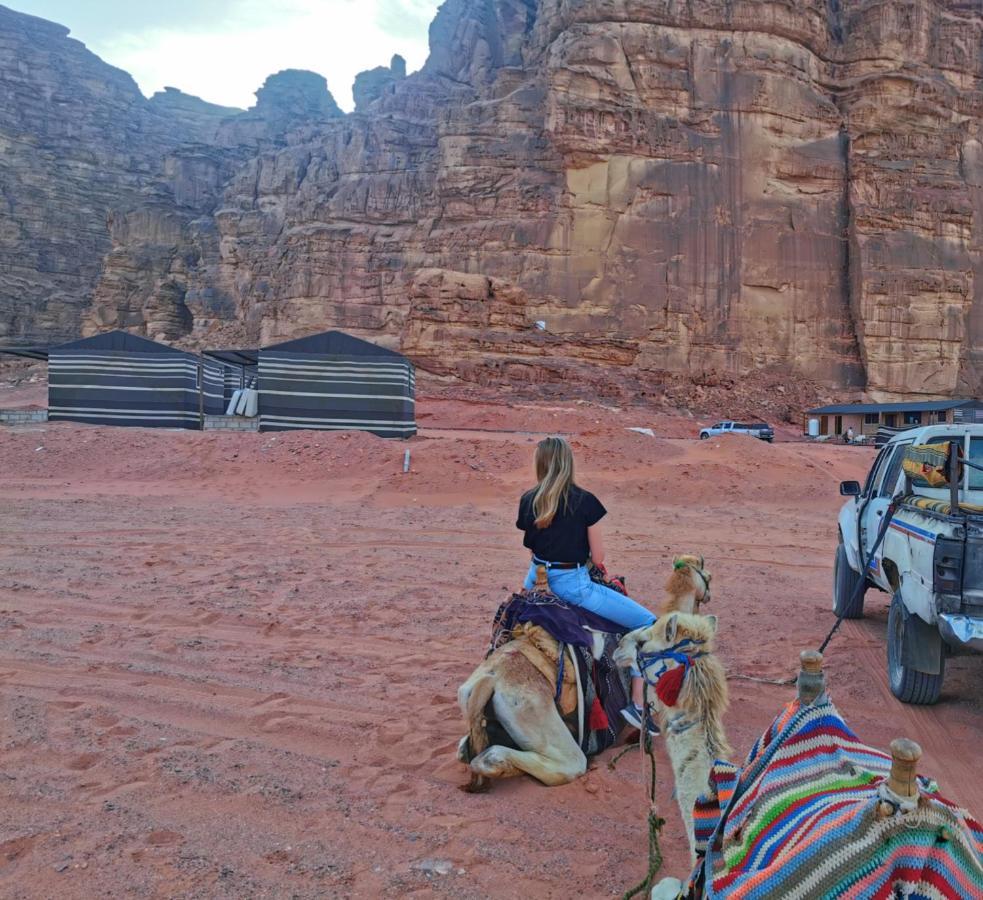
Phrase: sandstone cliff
(794,186)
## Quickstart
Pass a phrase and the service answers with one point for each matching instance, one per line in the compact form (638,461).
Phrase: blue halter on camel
(668,682)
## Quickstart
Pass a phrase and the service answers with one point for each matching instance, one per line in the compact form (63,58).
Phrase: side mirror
(850,488)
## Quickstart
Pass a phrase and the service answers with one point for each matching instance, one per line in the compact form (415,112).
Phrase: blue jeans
(575,587)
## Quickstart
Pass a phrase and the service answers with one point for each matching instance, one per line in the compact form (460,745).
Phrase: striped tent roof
(117,340)
(799,822)
(331,343)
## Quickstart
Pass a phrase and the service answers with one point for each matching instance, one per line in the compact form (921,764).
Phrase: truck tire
(845,582)
(907,684)
(704,436)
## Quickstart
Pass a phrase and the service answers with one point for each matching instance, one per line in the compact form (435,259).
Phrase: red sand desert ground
(228,662)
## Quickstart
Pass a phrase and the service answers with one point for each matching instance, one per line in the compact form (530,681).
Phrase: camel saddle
(536,624)
(537,645)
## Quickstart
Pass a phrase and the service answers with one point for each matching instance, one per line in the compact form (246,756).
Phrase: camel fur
(521,697)
(688,586)
(693,726)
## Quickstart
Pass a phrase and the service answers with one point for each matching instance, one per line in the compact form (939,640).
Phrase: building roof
(840,409)
(119,341)
(334,343)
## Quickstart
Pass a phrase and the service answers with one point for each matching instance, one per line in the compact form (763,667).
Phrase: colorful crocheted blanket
(800,820)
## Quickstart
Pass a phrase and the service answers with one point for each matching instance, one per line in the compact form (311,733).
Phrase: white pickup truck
(930,560)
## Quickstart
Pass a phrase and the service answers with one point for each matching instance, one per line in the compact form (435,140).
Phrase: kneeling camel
(509,693)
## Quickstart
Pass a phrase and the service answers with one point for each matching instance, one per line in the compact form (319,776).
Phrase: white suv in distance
(758,430)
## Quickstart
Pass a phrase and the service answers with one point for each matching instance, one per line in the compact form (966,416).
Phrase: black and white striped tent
(336,382)
(118,378)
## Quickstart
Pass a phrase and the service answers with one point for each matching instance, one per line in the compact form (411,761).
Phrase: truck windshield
(976,456)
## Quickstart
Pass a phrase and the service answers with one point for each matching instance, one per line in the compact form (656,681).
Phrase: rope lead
(863,580)
(655,821)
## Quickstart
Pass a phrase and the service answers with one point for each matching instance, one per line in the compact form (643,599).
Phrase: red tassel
(598,719)
(667,688)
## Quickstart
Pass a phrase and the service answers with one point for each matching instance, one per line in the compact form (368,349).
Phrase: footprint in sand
(276,721)
(67,704)
(122,731)
(164,838)
(393,733)
(11,850)
(271,698)
(84,762)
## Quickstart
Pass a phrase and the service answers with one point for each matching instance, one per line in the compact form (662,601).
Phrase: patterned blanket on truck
(603,686)
(801,820)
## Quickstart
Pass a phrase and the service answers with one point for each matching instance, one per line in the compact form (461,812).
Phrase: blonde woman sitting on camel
(561,524)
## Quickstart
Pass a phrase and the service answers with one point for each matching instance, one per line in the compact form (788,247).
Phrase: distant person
(560,520)
(849,435)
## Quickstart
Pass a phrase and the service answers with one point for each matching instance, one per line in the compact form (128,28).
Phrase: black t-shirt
(564,540)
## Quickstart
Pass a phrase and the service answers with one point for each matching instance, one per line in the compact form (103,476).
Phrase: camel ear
(713,624)
(671,624)
(702,563)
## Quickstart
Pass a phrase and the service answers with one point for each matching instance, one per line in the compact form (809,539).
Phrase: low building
(867,418)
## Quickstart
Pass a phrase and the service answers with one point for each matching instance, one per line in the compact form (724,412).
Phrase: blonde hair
(554,471)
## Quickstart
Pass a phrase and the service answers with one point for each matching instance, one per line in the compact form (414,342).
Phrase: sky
(223,50)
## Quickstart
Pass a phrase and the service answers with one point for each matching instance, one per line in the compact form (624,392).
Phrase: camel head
(688,585)
(675,656)
(664,634)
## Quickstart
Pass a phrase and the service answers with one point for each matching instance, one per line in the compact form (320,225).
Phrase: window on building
(871,418)
(838,426)
(913,418)
(890,420)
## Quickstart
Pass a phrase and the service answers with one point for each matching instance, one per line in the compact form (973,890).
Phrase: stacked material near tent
(238,371)
(118,378)
(336,382)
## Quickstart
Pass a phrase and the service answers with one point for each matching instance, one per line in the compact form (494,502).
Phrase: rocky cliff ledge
(731,185)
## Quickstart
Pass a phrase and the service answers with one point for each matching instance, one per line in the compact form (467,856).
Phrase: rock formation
(370,85)
(793,186)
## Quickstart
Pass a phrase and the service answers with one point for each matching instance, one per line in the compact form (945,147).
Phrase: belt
(553,565)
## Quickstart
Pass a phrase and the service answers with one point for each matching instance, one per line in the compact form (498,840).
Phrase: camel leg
(550,753)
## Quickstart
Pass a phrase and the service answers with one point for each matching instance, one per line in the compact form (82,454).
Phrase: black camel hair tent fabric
(335,382)
(119,378)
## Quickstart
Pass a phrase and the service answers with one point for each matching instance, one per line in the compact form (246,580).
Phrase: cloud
(225,60)
(406,18)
